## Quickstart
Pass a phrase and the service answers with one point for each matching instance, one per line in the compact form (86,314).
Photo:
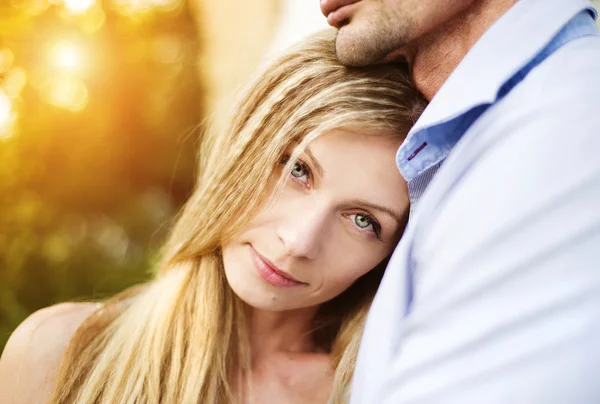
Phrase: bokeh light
(39,77)
(14,82)
(88,90)
(93,20)
(168,49)
(7,117)
(5,108)
(6,60)
(137,7)
(167,5)
(66,92)
(78,6)
(67,56)
(31,7)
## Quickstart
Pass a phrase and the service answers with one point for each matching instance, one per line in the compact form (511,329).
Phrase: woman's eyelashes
(366,224)
(300,172)
(362,222)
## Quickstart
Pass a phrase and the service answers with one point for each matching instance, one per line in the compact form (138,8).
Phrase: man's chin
(354,47)
(354,50)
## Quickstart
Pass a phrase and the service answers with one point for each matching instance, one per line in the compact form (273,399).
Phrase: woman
(269,271)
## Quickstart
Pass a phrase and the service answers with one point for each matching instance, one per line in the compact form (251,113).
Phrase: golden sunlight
(78,6)
(7,116)
(6,60)
(133,7)
(93,20)
(66,92)
(167,5)
(67,56)
(14,82)
(5,108)
(32,8)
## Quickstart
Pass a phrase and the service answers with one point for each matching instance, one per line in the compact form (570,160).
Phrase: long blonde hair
(182,337)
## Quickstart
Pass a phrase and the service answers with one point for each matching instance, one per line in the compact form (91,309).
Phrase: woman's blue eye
(366,222)
(300,171)
(363,221)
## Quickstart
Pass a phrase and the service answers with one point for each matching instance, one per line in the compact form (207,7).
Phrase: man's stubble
(371,40)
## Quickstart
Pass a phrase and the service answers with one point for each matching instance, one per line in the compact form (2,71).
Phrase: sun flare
(67,56)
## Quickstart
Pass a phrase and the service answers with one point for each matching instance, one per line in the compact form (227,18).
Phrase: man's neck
(435,55)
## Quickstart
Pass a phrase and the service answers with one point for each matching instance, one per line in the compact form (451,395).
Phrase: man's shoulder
(32,356)
(561,95)
(537,145)
(570,72)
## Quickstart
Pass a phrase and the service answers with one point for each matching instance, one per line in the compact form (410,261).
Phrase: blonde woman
(270,269)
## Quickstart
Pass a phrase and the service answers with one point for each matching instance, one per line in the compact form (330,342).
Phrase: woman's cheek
(348,275)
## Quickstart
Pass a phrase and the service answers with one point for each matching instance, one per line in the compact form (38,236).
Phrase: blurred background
(101,106)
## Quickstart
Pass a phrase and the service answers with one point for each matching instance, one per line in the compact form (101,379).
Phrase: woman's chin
(261,298)
(265,303)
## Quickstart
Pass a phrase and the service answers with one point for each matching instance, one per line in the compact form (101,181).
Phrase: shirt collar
(518,36)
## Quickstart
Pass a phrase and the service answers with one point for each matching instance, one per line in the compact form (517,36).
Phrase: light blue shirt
(493,294)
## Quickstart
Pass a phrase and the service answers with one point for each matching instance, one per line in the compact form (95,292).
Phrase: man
(493,294)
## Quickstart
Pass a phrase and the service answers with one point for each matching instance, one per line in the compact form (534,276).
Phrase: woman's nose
(302,233)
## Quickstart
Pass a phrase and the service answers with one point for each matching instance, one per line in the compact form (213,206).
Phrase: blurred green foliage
(87,191)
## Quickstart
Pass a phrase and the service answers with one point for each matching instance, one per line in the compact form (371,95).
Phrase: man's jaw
(404,54)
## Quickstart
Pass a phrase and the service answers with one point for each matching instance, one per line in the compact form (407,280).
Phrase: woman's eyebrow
(314,161)
(366,205)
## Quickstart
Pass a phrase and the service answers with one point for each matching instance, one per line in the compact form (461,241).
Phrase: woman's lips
(270,273)
(336,10)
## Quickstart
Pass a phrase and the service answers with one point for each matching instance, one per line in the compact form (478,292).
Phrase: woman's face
(339,215)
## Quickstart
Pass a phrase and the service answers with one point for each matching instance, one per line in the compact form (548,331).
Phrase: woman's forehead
(358,164)
(372,140)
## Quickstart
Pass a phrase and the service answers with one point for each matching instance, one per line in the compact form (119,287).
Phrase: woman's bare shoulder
(31,359)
